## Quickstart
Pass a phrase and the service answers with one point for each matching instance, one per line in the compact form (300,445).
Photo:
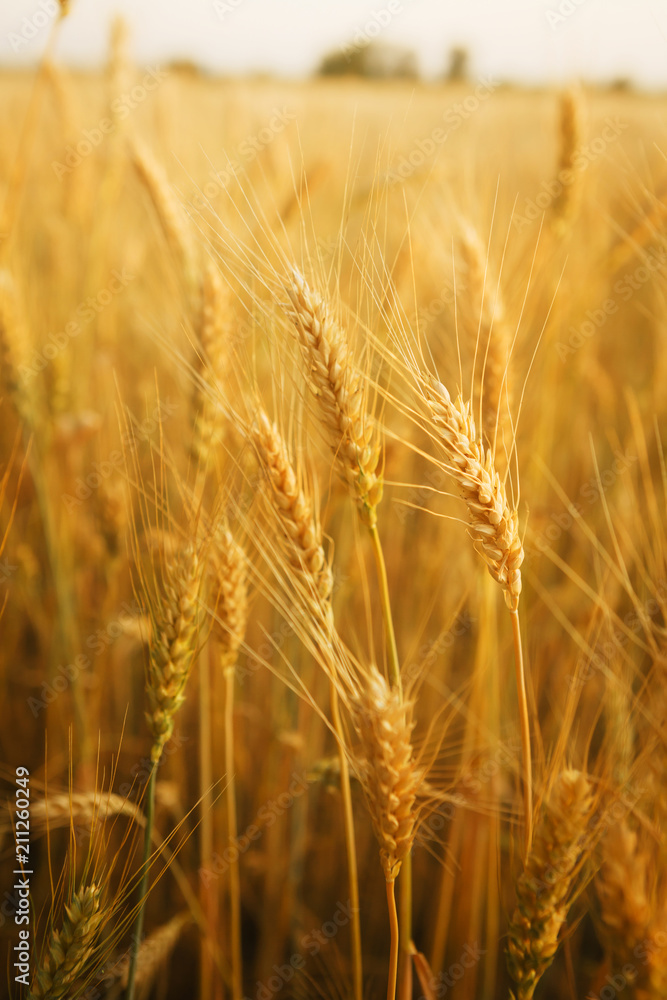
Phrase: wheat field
(333,541)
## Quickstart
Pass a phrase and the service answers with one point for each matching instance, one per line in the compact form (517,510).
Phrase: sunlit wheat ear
(493,525)
(70,948)
(170,213)
(214,335)
(544,889)
(482,308)
(567,202)
(303,533)
(387,768)
(173,645)
(228,568)
(341,392)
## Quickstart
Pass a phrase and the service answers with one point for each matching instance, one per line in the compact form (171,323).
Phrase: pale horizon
(524,42)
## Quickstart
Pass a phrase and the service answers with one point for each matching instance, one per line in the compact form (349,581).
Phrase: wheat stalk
(544,888)
(70,948)
(341,397)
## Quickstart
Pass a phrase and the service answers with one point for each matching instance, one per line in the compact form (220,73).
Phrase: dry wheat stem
(544,888)
(71,947)
(341,396)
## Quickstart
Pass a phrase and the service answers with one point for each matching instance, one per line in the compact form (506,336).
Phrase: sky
(527,41)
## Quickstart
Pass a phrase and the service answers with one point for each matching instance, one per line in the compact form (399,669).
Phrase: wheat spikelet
(69,948)
(545,886)
(154,952)
(387,768)
(494,527)
(304,535)
(483,311)
(214,333)
(228,565)
(173,645)
(566,203)
(341,397)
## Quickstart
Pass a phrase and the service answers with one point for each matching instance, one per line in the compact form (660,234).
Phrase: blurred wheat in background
(304,397)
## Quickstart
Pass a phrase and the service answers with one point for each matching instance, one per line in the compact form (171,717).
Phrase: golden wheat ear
(173,645)
(493,524)
(387,768)
(70,949)
(545,887)
(303,535)
(340,390)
